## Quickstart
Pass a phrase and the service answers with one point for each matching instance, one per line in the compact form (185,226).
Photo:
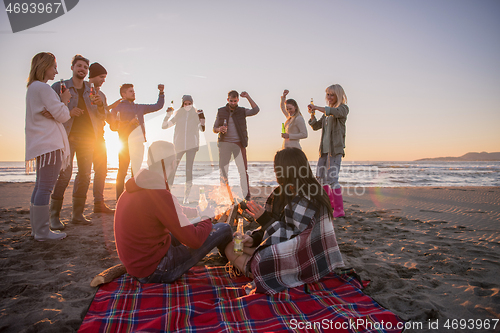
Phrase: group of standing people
(67,119)
(62,121)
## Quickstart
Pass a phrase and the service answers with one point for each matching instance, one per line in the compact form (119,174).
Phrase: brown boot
(100,207)
(78,207)
(55,211)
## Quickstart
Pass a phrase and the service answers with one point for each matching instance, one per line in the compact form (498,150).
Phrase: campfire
(228,207)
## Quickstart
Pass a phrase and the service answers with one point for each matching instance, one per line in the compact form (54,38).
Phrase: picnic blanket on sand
(206,299)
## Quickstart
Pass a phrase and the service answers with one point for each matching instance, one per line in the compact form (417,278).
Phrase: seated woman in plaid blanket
(295,243)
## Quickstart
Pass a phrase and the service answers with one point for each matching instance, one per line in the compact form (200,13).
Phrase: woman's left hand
(285,135)
(254,209)
(47,114)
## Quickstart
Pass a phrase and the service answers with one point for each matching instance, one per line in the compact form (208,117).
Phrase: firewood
(108,275)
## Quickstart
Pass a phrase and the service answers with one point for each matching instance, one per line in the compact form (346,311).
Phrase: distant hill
(483,156)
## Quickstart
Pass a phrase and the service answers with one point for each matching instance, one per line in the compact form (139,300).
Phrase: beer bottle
(238,237)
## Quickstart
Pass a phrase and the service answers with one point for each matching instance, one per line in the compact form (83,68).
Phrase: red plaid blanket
(206,299)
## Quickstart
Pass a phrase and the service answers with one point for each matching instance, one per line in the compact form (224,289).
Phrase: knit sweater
(45,135)
(296,129)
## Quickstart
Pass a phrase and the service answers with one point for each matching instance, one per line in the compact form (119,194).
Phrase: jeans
(132,151)
(226,149)
(180,258)
(190,155)
(123,163)
(47,169)
(100,169)
(328,173)
(83,147)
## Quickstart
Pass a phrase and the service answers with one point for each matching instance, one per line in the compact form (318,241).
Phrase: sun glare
(113,145)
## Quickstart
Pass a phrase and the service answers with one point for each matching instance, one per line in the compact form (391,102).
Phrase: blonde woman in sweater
(46,140)
(295,126)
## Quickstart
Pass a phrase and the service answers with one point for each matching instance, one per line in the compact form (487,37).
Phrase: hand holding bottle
(65,95)
(98,101)
(223,128)
(311,107)
(208,212)
(134,122)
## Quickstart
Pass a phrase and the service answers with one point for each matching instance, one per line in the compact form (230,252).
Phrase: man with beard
(125,117)
(97,76)
(231,125)
(83,131)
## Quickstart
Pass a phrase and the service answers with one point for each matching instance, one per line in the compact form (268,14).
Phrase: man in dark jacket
(231,125)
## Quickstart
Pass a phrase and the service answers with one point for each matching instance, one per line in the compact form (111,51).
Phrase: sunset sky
(422,77)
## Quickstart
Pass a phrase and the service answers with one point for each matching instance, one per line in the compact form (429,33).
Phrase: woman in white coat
(46,140)
(188,123)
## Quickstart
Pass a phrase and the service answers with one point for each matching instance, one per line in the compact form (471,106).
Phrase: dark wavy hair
(295,178)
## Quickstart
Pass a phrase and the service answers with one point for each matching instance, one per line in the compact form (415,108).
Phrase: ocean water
(355,174)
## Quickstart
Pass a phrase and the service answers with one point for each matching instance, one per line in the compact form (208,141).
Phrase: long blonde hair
(339,92)
(39,65)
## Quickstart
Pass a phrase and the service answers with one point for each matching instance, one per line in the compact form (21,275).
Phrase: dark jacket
(239,117)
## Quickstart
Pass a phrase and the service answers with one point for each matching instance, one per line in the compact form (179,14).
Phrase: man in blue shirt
(124,119)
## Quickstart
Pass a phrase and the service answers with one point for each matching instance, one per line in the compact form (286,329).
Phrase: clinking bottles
(238,237)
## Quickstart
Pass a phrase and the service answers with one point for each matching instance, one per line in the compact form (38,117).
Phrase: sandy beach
(432,255)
